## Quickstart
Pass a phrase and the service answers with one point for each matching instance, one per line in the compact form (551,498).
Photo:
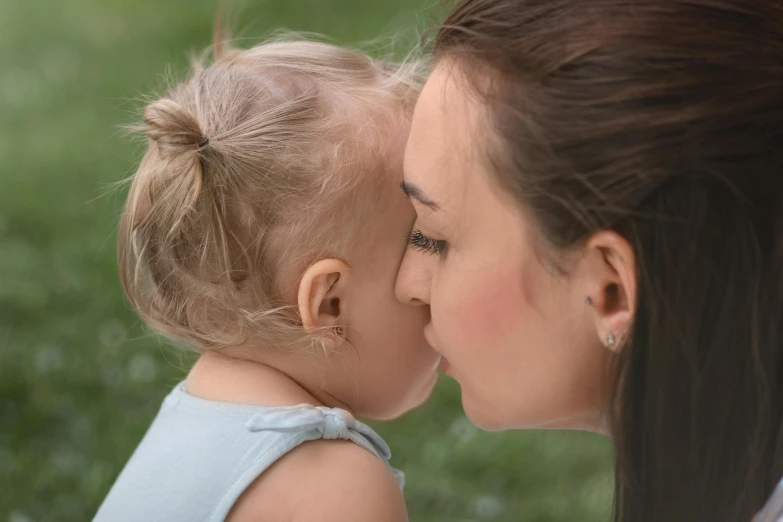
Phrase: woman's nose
(413,281)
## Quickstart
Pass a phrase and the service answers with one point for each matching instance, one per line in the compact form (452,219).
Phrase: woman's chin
(489,416)
(484,415)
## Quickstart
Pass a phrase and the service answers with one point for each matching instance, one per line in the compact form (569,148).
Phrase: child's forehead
(374,145)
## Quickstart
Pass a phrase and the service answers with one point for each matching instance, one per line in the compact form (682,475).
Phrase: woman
(599,189)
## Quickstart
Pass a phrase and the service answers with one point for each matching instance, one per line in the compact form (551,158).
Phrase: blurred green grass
(79,378)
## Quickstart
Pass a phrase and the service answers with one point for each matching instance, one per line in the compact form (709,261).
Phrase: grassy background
(79,379)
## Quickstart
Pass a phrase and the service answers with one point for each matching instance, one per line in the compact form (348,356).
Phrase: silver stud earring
(338,330)
(588,301)
(610,340)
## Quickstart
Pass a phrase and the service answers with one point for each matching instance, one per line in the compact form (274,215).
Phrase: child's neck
(222,378)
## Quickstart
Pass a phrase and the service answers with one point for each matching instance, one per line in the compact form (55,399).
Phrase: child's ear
(322,294)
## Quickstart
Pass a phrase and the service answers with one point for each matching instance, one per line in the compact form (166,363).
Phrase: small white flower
(99,474)
(142,368)
(487,506)
(463,430)
(49,359)
(18,516)
(113,334)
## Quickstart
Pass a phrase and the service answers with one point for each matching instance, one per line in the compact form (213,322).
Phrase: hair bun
(173,127)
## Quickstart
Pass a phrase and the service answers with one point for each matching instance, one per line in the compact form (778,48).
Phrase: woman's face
(518,338)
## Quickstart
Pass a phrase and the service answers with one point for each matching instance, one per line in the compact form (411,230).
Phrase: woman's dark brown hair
(661,120)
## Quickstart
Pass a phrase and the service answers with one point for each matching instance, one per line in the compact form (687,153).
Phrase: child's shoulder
(323,481)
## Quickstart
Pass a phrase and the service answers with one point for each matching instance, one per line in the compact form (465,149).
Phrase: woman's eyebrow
(414,192)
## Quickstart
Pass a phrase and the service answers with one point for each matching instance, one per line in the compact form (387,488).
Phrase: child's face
(397,369)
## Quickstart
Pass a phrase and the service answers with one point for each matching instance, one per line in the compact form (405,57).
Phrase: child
(264,228)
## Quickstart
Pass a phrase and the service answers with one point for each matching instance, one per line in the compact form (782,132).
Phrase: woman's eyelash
(426,244)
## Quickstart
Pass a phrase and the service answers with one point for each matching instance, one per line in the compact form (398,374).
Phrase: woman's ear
(322,295)
(610,270)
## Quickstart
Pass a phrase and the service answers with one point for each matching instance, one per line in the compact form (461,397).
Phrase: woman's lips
(428,337)
(444,365)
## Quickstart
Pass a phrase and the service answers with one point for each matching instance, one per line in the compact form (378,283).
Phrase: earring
(338,330)
(610,340)
(589,301)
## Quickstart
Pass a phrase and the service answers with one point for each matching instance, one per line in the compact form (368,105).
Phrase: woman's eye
(426,244)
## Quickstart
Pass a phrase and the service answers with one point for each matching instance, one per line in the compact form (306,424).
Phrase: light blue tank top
(773,510)
(198,456)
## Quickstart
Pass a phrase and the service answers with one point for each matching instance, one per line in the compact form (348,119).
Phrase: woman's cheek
(481,310)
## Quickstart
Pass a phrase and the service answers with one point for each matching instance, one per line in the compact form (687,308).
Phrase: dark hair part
(661,120)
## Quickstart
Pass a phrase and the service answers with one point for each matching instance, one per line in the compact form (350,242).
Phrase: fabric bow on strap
(331,423)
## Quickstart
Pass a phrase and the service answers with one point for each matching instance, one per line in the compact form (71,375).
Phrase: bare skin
(526,349)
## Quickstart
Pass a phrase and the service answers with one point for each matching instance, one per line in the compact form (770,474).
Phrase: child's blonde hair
(251,174)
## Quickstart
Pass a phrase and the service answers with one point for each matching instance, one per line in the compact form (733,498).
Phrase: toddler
(264,228)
